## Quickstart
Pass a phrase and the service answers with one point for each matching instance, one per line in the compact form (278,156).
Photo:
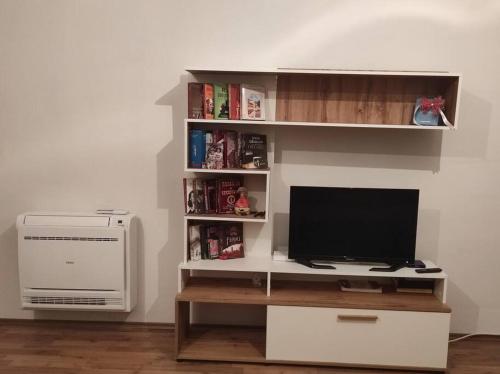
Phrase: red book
(227,194)
(195,100)
(208,101)
(234,91)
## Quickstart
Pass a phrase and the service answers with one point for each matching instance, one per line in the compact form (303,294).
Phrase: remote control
(428,270)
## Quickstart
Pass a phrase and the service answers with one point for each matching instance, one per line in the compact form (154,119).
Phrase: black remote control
(428,270)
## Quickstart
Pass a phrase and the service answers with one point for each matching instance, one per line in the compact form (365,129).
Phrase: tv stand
(309,320)
(312,265)
(392,268)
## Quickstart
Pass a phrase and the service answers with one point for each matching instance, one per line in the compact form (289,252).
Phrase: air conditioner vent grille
(72,238)
(57,300)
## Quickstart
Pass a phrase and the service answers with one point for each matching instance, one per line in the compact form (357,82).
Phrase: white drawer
(357,336)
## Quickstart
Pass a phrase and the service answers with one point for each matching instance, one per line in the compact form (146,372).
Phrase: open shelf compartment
(361,99)
(217,343)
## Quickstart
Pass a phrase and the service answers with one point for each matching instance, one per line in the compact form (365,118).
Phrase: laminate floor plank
(56,347)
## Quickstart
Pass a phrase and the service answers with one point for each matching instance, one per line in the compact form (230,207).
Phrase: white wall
(92,96)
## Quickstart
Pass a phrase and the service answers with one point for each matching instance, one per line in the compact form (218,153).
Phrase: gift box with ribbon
(428,110)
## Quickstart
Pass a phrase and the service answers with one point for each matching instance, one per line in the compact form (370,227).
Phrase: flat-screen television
(353,224)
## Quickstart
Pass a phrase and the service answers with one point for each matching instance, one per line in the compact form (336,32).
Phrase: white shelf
(228,171)
(320,124)
(251,264)
(352,270)
(284,70)
(223,217)
(263,264)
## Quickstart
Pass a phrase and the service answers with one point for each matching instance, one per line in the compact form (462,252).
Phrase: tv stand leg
(391,269)
(309,263)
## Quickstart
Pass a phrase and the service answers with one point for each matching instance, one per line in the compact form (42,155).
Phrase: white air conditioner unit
(77,261)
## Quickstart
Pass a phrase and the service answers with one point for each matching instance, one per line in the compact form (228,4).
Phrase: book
(415,285)
(213,241)
(218,135)
(234,93)
(253,102)
(210,196)
(227,190)
(253,151)
(221,101)
(360,286)
(196,148)
(194,243)
(208,101)
(204,242)
(215,155)
(232,241)
(208,142)
(199,195)
(189,197)
(195,100)
(230,149)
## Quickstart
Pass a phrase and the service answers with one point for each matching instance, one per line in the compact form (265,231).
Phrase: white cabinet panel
(357,336)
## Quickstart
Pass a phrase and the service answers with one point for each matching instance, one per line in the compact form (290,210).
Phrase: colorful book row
(232,101)
(216,241)
(211,196)
(220,149)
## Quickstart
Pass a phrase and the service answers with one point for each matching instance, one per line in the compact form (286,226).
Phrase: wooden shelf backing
(328,294)
(360,99)
(304,293)
(224,343)
(223,290)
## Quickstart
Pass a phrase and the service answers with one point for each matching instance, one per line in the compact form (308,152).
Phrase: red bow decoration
(435,104)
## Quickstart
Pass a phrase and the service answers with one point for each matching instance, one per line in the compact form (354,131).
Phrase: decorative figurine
(241,207)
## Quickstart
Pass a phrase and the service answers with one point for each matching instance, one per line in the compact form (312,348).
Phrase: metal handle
(356,318)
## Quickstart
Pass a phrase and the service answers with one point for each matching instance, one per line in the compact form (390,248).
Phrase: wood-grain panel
(302,293)
(328,294)
(359,99)
(223,290)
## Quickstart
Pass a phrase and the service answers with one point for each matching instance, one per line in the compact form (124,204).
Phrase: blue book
(196,148)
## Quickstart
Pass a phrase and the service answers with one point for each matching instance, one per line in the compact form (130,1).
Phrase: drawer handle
(356,318)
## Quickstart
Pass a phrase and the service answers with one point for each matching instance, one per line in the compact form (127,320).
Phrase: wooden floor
(106,348)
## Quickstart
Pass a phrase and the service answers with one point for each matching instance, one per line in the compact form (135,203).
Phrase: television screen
(353,224)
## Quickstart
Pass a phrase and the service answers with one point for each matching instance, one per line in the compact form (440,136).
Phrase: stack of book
(232,101)
(221,149)
(218,240)
(205,196)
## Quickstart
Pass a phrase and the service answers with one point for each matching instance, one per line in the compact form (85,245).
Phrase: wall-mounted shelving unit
(349,98)
(313,316)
